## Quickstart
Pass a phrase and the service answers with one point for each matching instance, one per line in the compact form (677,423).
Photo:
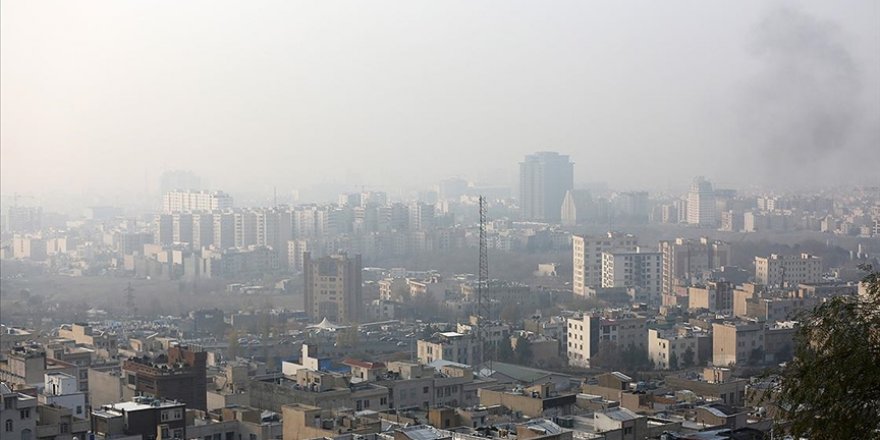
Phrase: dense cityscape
(369,317)
(452,221)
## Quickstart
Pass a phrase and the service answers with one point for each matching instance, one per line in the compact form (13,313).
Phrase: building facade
(701,203)
(587,257)
(333,287)
(685,260)
(544,178)
(788,270)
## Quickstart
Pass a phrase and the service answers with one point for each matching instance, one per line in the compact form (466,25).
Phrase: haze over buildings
(384,94)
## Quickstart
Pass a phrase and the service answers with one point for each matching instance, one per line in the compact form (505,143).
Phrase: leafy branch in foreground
(831,389)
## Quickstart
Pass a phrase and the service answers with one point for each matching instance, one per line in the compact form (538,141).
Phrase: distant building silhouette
(544,178)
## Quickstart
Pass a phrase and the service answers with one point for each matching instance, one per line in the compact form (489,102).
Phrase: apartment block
(587,257)
(192,201)
(616,331)
(638,269)
(685,260)
(333,287)
(737,343)
(448,346)
(788,270)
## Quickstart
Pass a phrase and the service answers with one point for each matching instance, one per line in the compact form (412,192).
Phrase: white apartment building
(779,270)
(587,257)
(580,346)
(642,270)
(587,333)
(661,347)
(179,201)
(448,346)
(701,203)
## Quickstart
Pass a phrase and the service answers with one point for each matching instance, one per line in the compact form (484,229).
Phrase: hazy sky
(103,96)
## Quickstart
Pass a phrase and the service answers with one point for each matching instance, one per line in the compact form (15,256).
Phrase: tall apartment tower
(587,257)
(544,178)
(701,203)
(333,287)
(685,259)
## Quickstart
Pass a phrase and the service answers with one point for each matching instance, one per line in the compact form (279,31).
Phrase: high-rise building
(182,227)
(544,177)
(701,203)
(685,260)
(791,270)
(177,201)
(202,230)
(577,207)
(164,229)
(224,230)
(333,287)
(587,257)
(633,269)
(24,219)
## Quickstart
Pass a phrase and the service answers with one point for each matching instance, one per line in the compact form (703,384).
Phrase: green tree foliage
(688,358)
(511,313)
(523,351)
(348,337)
(505,351)
(831,389)
(234,349)
(673,361)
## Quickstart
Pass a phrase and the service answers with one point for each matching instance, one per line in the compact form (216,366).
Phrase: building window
(65,428)
(8,402)
(25,413)
(8,425)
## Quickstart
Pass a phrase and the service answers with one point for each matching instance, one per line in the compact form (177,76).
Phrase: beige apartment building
(587,257)
(714,296)
(791,270)
(735,342)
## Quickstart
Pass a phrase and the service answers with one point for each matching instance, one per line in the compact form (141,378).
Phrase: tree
(673,361)
(523,351)
(688,357)
(756,356)
(234,349)
(511,313)
(348,337)
(505,351)
(831,388)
